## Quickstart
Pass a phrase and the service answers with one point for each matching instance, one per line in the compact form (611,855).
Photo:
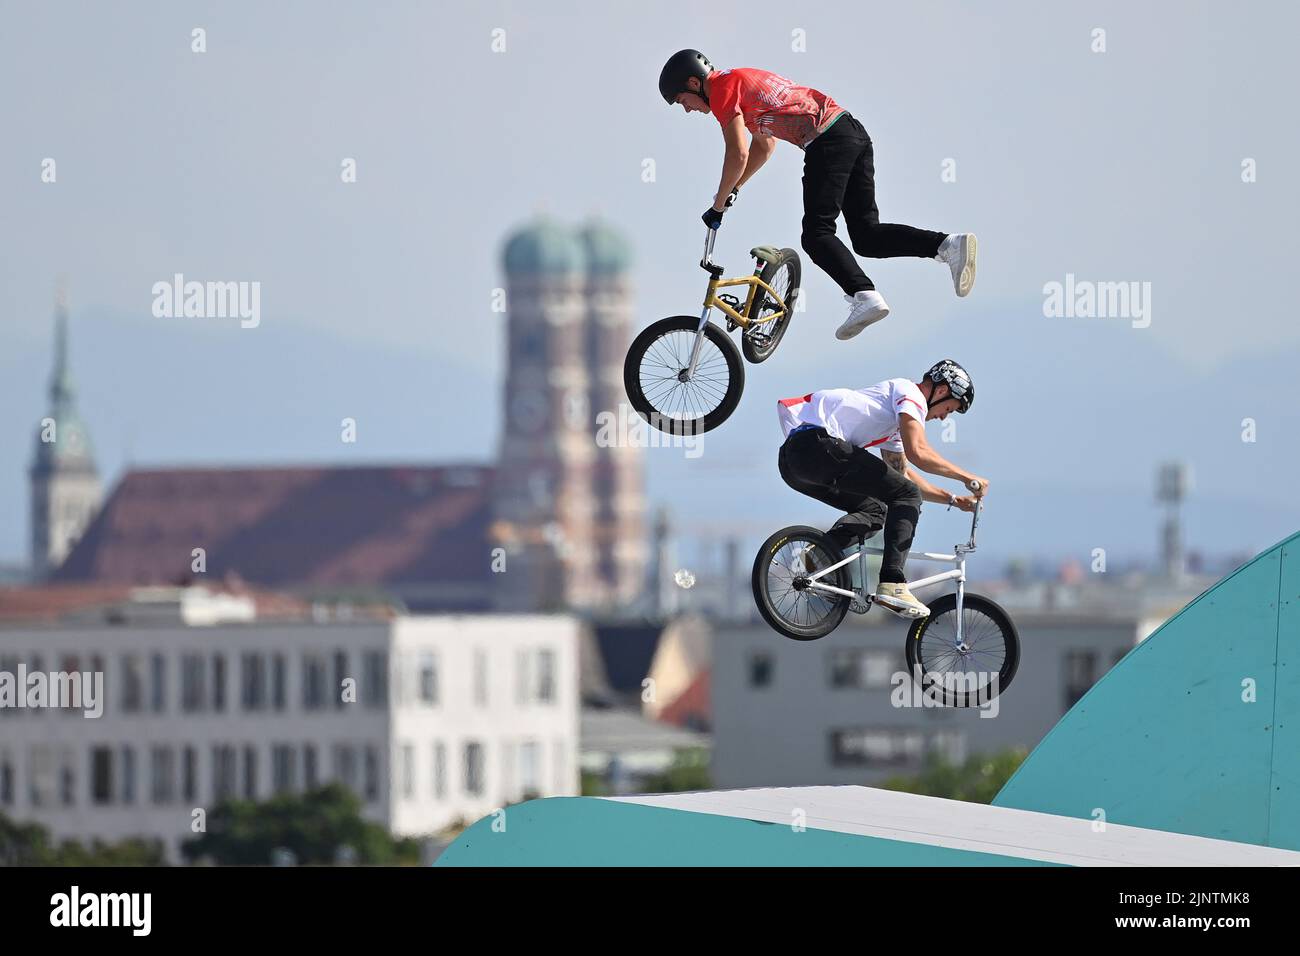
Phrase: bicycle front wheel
(659,388)
(969,670)
(780,580)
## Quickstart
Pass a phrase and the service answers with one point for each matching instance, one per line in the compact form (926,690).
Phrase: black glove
(712,218)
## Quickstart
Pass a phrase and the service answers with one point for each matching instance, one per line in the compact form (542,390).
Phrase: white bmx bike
(967,646)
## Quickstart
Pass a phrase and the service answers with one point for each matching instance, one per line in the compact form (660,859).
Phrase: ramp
(820,826)
(1195,731)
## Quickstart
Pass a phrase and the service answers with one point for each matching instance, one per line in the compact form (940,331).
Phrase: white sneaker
(868,306)
(899,599)
(958,250)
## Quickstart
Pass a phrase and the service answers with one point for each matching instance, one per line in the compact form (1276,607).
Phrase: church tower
(566,511)
(543,499)
(618,470)
(65,488)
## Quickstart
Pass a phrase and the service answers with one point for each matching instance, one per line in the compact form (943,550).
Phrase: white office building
(429,720)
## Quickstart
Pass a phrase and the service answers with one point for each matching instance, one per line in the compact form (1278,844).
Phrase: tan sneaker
(899,599)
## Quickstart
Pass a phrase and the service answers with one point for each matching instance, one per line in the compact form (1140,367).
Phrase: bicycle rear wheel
(780,582)
(973,671)
(760,340)
(654,376)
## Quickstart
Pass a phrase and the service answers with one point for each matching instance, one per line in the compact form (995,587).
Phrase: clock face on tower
(528,410)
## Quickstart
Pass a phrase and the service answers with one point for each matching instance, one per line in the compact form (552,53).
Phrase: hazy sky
(376,296)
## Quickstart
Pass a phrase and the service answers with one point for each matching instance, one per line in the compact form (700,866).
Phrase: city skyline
(378,294)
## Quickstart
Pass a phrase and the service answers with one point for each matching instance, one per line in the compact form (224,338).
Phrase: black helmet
(947,372)
(681,66)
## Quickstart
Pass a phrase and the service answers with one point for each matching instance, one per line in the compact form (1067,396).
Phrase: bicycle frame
(958,573)
(711,300)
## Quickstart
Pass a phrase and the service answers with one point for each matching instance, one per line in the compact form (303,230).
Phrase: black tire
(780,603)
(990,635)
(661,351)
(759,341)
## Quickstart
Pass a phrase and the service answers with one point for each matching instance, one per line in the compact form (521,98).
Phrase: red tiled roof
(283,527)
(54,601)
(692,708)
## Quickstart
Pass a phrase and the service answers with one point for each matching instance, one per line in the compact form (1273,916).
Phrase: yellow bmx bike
(683,374)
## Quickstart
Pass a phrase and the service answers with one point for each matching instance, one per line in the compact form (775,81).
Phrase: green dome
(608,251)
(544,246)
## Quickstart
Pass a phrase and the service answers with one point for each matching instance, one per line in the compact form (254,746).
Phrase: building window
(949,745)
(128,775)
(374,679)
(523,675)
(218,682)
(41,783)
(558,754)
(760,669)
(372,772)
(225,772)
(439,770)
(252,681)
(313,682)
(340,675)
(408,771)
(250,772)
(428,678)
(1080,675)
(162,774)
(529,769)
(310,772)
(158,683)
(865,747)
(480,677)
(279,693)
(67,779)
(193,679)
(69,666)
(132,684)
(283,769)
(474,761)
(345,766)
(101,775)
(9,665)
(862,668)
(546,676)
(189,773)
(6,779)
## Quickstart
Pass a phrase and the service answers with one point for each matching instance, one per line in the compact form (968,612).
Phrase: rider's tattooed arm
(929,492)
(895,460)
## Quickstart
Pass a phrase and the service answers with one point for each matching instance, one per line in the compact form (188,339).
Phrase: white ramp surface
(955,824)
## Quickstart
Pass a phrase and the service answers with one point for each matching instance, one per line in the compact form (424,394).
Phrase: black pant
(854,480)
(839,174)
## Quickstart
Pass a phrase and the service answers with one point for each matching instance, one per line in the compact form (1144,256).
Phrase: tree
(688,771)
(978,780)
(314,826)
(29,844)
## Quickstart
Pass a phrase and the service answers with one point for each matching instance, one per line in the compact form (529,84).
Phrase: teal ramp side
(1165,740)
(587,831)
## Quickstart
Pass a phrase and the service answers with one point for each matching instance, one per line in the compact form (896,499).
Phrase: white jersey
(866,417)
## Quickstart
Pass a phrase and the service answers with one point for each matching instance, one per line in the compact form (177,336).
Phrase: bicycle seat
(768,254)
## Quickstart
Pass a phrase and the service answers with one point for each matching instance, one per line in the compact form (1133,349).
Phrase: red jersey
(771,104)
